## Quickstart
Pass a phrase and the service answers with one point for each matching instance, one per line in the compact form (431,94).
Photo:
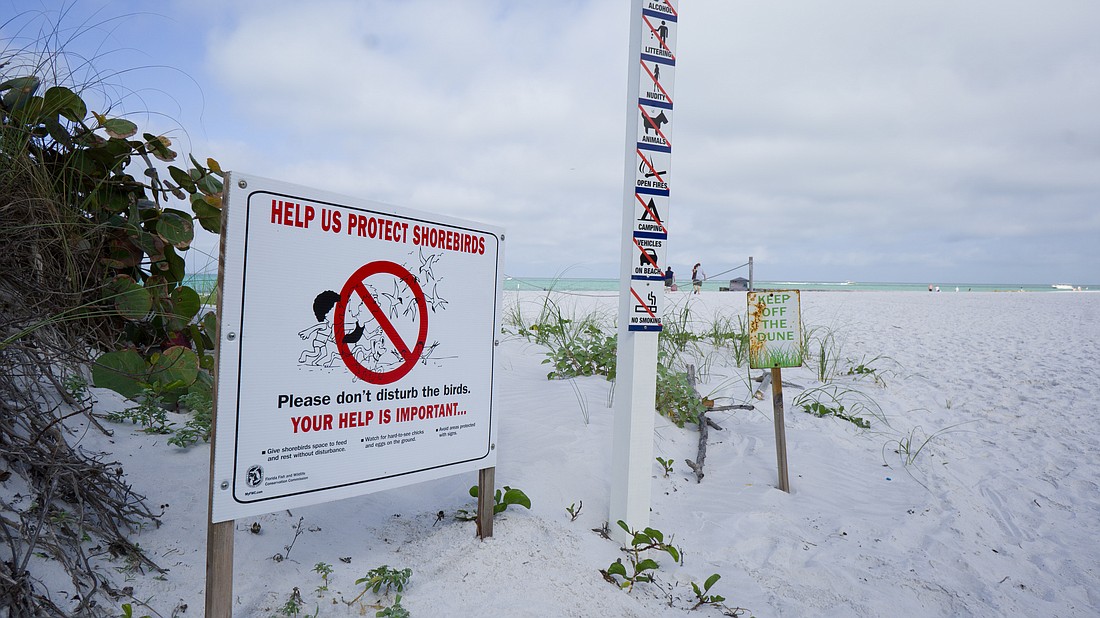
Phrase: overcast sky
(914,141)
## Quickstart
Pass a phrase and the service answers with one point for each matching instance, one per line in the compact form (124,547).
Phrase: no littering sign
(357,347)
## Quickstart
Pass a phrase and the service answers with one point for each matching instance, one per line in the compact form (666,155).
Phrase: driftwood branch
(704,423)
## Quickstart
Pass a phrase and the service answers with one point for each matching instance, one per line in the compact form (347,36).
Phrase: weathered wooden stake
(486,481)
(219,570)
(780,431)
(219,536)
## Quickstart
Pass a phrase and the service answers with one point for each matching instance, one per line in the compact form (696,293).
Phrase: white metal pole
(646,157)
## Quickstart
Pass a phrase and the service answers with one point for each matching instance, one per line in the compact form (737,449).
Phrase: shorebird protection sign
(356,350)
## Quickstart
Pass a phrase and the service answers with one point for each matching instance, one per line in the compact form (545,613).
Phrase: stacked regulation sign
(356,348)
(656,71)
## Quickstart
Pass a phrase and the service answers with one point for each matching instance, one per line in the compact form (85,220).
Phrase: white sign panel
(646,302)
(356,351)
(648,231)
(775,329)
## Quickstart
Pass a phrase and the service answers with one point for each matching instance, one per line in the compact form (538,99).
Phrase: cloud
(845,140)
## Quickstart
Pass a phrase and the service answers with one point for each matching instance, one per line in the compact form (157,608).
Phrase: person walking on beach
(697,278)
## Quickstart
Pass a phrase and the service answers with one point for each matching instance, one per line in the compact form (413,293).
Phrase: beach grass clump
(909,446)
(841,402)
(871,368)
(821,345)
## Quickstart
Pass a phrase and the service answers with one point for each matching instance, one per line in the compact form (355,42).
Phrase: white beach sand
(998,515)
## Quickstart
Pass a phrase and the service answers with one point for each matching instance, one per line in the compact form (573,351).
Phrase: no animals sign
(356,351)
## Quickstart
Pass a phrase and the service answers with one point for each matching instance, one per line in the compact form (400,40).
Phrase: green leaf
(122,371)
(21,89)
(186,302)
(640,538)
(61,100)
(159,145)
(710,581)
(210,217)
(672,551)
(59,133)
(617,568)
(182,178)
(516,496)
(209,184)
(176,364)
(176,228)
(655,534)
(118,128)
(648,564)
(473,491)
(622,524)
(132,301)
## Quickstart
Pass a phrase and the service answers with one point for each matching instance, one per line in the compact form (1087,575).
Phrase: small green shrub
(149,413)
(198,426)
(502,500)
(701,596)
(587,352)
(666,465)
(676,398)
(646,540)
(821,410)
(324,570)
(393,611)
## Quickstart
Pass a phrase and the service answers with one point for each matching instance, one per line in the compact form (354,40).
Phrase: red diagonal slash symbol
(356,285)
(643,304)
(658,37)
(648,257)
(651,213)
(653,125)
(649,164)
(656,83)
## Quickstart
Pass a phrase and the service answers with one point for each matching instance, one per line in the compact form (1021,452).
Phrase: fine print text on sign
(774,329)
(357,349)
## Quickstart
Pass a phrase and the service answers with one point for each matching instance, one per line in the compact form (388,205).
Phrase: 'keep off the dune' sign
(356,349)
(774,329)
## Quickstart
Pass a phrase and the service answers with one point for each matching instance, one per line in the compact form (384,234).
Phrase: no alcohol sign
(357,347)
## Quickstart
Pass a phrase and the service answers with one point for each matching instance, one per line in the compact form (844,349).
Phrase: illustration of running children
(320,334)
(324,351)
(367,340)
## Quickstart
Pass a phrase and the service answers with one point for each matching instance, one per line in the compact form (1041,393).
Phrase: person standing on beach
(697,278)
(670,278)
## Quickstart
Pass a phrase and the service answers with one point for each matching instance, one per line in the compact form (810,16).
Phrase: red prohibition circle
(355,285)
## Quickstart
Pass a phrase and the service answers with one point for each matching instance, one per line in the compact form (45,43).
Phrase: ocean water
(204,283)
(582,285)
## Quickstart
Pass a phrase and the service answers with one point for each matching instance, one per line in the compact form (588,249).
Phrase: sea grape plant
(111,181)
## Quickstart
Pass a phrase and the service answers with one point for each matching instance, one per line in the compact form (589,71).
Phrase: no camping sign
(356,350)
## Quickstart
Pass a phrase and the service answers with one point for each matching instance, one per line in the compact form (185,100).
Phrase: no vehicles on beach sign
(357,347)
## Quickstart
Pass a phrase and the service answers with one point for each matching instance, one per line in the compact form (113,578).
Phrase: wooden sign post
(775,329)
(780,429)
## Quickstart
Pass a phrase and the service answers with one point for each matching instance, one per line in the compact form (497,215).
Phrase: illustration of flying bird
(435,300)
(426,264)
